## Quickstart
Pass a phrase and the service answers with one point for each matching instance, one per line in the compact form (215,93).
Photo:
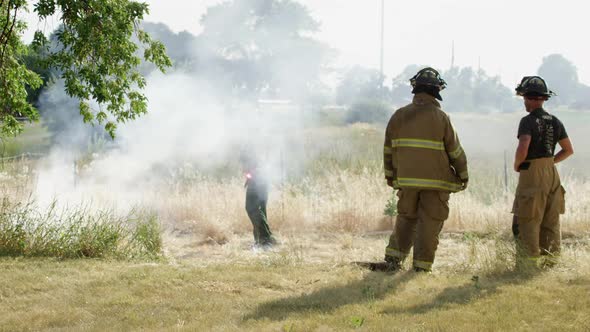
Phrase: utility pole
(453,55)
(382,38)
(478,64)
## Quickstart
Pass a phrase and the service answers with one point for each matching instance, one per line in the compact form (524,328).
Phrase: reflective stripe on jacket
(421,148)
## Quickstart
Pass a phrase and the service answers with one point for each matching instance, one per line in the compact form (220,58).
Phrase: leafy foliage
(391,206)
(562,77)
(95,54)
(265,51)
(472,90)
(14,75)
(468,90)
(34,61)
(180,46)
(66,126)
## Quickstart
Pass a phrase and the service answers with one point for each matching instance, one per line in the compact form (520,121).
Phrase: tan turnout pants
(539,201)
(421,215)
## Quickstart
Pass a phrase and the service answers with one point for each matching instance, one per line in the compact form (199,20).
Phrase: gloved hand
(464,183)
(248,178)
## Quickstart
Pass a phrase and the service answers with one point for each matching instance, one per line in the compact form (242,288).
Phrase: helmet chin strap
(428,89)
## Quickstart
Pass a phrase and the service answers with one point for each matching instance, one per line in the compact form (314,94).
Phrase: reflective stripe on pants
(421,215)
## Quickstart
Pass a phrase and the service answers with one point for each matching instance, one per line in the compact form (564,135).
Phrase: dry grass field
(326,215)
(307,284)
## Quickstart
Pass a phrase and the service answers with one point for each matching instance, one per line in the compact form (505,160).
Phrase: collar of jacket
(422,98)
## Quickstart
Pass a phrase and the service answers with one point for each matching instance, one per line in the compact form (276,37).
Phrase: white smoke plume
(184,125)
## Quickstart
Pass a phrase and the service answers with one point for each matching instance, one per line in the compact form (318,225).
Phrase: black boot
(390,265)
(383,267)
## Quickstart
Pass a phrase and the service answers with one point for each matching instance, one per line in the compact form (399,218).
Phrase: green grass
(77,233)
(268,293)
(34,139)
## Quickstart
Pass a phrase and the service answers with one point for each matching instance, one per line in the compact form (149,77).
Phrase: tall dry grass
(350,202)
(319,214)
(333,184)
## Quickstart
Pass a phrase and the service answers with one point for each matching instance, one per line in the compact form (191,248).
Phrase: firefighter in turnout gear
(256,198)
(424,161)
(540,197)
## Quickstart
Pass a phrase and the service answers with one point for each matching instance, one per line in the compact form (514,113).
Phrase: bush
(391,206)
(369,112)
(79,233)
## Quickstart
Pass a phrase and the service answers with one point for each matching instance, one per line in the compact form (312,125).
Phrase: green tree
(96,56)
(562,77)
(181,47)
(361,84)
(263,48)
(400,87)
(472,90)
(34,61)
(14,76)
(467,90)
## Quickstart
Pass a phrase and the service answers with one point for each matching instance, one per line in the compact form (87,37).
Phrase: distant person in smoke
(256,198)
(540,197)
(425,163)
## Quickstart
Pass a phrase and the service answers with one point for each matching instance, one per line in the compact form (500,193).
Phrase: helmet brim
(535,94)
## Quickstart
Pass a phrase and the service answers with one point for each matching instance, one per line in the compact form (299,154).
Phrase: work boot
(395,263)
(383,267)
(268,244)
(386,266)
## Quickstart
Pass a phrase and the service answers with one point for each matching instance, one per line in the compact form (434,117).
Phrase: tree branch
(7,22)
(5,45)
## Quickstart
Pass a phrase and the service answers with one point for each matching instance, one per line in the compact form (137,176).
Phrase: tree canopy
(561,76)
(361,83)
(95,52)
(263,48)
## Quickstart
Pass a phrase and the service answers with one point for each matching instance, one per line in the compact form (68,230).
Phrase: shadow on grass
(478,288)
(373,286)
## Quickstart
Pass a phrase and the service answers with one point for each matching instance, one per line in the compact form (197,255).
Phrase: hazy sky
(507,38)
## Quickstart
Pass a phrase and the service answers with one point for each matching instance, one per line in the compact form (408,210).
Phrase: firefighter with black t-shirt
(540,197)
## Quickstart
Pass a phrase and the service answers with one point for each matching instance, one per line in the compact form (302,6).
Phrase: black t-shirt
(545,131)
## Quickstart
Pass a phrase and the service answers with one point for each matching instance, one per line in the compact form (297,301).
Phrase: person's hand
(464,184)
(248,178)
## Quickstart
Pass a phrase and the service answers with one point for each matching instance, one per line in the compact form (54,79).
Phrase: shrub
(369,112)
(77,233)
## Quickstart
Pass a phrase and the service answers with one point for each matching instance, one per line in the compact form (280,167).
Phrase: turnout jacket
(422,150)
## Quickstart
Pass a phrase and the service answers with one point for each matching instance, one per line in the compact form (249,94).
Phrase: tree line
(101,53)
